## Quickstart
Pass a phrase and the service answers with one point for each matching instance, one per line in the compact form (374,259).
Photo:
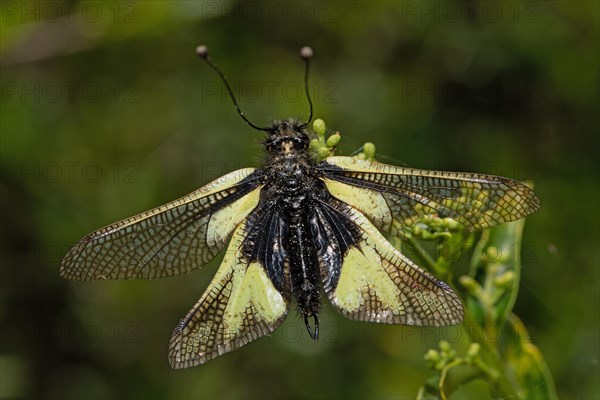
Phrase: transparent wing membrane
(169,240)
(393,197)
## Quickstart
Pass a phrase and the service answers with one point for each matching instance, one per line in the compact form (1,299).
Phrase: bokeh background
(107,112)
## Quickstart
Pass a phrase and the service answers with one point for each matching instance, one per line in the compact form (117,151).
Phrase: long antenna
(202,52)
(306,53)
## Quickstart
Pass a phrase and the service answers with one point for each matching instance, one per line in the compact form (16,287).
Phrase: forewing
(367,279)
(248,297)
(393,197)
(169,240)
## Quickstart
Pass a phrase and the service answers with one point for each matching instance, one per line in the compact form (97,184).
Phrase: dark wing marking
(248,298)
(367,279)
(393,197)
(169,240)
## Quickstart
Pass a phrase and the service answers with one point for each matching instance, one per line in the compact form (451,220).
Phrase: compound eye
(301,143)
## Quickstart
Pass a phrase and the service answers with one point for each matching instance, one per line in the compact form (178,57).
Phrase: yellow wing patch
(251,287)
(379,284)
(239,306)
(369,202)
(359,273)
(222,222)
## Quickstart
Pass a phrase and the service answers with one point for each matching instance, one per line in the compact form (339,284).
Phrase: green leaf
(524,364)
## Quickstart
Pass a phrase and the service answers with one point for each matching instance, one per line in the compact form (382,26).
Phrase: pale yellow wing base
(379,284)
(239,306)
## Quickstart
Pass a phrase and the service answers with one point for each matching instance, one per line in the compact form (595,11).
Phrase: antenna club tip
(202,51)
(306,52)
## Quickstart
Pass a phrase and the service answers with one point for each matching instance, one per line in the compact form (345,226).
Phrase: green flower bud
(502,255)
(369,150)
(323,152)
(319,127)
(314,145)
(505,280)
(432,356)
(451,224)
(469,283)
(492,253)
(333,140)
(473,350)
(445,346)
(426,235)
(417,229)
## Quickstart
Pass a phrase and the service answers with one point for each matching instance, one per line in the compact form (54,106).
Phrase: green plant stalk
(495,365)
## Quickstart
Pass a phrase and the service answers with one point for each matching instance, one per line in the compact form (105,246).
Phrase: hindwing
(248,297)
(367,279)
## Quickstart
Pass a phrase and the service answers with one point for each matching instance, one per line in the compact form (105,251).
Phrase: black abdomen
(304,271)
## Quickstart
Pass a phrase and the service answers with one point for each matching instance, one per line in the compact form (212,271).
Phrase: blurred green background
(107,112)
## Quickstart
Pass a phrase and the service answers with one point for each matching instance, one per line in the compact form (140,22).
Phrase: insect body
(294,189)
(296,228)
